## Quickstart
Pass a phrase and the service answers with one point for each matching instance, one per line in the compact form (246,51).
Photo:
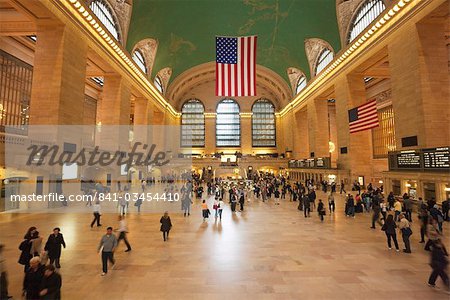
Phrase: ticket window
(396,187)
(429,190)
(412,188)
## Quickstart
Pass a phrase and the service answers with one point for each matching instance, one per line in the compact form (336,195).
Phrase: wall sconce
(408,185)
(447,189)
(331,147)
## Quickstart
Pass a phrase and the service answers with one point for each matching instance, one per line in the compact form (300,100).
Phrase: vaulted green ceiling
(186,29)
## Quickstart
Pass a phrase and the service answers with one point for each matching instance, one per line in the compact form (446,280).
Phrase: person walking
(53,246)
(241,200)
(397,209)
(51,284)
(389,229)
(408,205)
(439,263)
(321,210)
(33,279)
(233,198)
(138,202)
(342,189)
(108,244)
(406,231)
(276,194)
(423,218)
(186,204)
(123,230)
(216,207)
(312,198)
(205,210)
(383,208)
(375,211)
(331,204)
(432,233)
(350,206)
(97,214)
(220,208)
(166,225)
(4,295)
(306,206)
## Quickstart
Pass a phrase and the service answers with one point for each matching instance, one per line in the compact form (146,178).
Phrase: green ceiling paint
(186,29)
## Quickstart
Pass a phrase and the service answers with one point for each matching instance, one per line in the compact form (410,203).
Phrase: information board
(436,158)
(408,159)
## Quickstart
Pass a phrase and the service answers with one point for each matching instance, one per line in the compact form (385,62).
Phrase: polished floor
(266,252)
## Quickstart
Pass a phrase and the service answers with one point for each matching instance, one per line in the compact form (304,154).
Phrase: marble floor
(266,252)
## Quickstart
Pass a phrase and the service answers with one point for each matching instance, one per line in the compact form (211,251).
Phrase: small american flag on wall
(236,66)
(363,117)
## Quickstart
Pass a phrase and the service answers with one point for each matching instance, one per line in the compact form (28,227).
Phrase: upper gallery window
(193,124)
(263,124)
(104,13)
(301,84)
(228,124)
(325,57)
(159,84)
(139,60)
(366,14)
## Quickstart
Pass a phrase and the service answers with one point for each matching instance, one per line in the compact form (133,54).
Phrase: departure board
(436,158)
(408,159)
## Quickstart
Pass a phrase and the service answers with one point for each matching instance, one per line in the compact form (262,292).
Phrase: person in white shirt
(96,210)
(123,230)
(220,208)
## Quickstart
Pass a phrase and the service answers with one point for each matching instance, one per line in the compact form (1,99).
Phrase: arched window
(192,124)
(159,84)
(104,13)
(263,124)
(139,60)
(325,57)
(228,124)
(366,14)
(301,84)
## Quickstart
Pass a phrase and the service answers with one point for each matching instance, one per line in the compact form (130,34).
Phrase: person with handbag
(389,229)
(166,225)
(321,210)
(405,228)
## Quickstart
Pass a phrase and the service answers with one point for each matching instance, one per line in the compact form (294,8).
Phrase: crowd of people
(393,214)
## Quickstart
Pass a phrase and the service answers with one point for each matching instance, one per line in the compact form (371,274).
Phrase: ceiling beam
(20,28)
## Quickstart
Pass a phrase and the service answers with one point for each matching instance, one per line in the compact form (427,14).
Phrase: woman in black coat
(166,225)
(53,246)
(321,210)
(25,248)
(439,263)
(389,229)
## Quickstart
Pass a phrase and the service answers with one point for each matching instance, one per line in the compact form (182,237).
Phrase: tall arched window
(104,13)
(139,60)
(263,124)
(192,124)
(325,57)
(159,84)
(301,84)
(228,124)
(366,14)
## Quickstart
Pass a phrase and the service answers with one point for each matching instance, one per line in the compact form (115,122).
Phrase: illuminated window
(139,60)
(383,136)
(159,84)
(15,93)
(366,14)
(228,124)
(104,13)
(263,124)
(325,57)
(193,124)
(301,84)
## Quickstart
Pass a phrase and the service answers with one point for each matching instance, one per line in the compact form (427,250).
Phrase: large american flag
(236,66)
(363,117)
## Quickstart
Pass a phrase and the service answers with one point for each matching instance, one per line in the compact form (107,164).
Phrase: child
(205,210)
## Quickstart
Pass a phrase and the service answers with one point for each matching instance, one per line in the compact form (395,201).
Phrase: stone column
(246,134)
(418,61)
(143,117)
(59,74)
(350,92)
(210,134)
(318,133)
(300,133)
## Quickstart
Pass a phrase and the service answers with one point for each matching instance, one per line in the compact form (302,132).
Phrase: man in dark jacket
(33,279)
(438,263)
(350,206)
(51,284)
(53,246)
(306,205)
(445,209)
